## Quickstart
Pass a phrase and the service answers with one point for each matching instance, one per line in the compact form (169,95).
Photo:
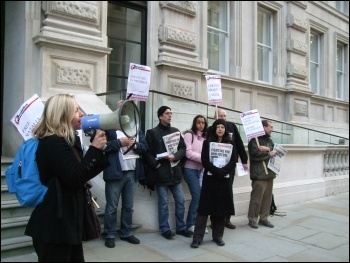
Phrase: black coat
(237,142)
(216,193)
(58,164)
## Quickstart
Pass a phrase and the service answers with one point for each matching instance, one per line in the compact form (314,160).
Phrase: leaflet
(220,154)
(276,161)
(171,142)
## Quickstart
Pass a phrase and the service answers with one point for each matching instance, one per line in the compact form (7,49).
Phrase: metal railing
(185,109)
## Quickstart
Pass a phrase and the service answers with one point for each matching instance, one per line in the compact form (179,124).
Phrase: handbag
(91,225)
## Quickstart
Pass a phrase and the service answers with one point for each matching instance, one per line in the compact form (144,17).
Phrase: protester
(56,224)
(239,149)
(194,139)
(216,194)
(261,176)
(168,176)
(121,180)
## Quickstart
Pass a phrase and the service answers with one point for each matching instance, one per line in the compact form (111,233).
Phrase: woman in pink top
(194,139)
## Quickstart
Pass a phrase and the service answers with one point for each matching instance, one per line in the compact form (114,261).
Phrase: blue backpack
(23,177)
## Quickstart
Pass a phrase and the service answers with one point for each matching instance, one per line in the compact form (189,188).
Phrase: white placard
(240,170)
(276,161)
(28,115)
(252,124)
(214,89)
(138,82)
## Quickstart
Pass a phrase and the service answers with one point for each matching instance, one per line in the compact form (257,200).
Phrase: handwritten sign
(138,82)
(214,89)
(28,115)
(252,124)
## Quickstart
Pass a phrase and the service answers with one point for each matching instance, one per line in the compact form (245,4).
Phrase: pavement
(312,231)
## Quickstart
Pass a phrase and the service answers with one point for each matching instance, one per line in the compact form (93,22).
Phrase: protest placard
(28,115)
(214,89)
(138,82)
(220,154)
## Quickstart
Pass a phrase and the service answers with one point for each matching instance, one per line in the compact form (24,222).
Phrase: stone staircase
(14,219)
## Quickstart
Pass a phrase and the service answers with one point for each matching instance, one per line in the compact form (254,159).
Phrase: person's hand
(124,141)
(263,149)
(272,153)
(100,139)
(245,166)
(172,158)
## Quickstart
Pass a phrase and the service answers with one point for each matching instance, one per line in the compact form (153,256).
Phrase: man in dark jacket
(260,151)
(167,171)
(120,180)
(239,149)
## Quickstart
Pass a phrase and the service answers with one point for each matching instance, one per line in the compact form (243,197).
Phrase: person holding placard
(218,159)
(260,151)
(239,149)
(167,142)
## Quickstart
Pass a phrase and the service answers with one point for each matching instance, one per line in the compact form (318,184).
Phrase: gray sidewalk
(313,231)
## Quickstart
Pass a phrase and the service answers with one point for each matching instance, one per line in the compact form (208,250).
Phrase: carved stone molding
(297,71)
(301,108)
(77,9)
(73,75)
(296,22)
(177,37)
(297,46)
(302,4)
(186,7)
(183,90)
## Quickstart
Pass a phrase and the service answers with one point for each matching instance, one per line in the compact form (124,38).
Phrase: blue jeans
(163,210)
(191,177)
(124,187)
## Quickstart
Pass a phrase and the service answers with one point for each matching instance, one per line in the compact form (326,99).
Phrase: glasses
(168,113)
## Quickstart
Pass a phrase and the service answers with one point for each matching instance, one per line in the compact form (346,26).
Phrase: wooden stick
(257,142)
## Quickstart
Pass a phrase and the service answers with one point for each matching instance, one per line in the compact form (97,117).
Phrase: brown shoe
(229,225)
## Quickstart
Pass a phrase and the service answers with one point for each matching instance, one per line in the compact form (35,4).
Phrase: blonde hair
(57,118)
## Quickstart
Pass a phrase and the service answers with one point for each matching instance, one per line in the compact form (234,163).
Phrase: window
(340,72)
(218,35)
(342,6)
(126,31)
(265,40)
(314,62)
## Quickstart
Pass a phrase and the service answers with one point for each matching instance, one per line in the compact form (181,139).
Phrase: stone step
(11,208)
(13,226)
(16,246)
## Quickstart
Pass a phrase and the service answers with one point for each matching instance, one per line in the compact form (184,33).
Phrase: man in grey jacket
(262,177)
(167,174)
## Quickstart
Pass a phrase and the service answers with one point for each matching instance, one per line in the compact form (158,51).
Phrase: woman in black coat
(216,194)
(56,224)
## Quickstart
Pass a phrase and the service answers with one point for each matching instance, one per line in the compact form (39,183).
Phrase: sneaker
(206,230)
(195,244)
(266,223)
(191,229)
(109,242)
(219,242)
(131,239)
(168,234)
(229,225)
(253,225)
(184,233)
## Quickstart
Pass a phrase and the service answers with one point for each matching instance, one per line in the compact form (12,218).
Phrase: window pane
(216,50)
(217,15)
(314,47)
(314,77)
(264,28)
(263,63)
(339,58)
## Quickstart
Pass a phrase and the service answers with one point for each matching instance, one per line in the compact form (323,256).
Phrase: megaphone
(126,118)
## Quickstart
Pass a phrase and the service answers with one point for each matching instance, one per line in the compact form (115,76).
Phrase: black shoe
(219,242)
(253,225)
(229,225)
(109,242)
(184,233)
(131,239)
(168,234)
(195,244)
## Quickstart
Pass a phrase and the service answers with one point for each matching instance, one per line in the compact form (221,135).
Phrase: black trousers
(232,179)
(217,224)
(49,252)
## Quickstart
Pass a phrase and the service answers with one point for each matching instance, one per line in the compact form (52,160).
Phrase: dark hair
(194,126)
(213,137)
(265,123)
